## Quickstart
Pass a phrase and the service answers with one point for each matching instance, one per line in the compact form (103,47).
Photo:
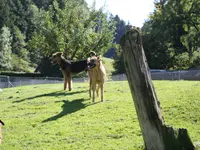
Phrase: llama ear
(62,56)
(58,54)
(1,122)
(99,58)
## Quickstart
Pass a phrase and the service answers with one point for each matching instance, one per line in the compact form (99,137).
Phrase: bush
(195,60)
(182,61)
(20,65)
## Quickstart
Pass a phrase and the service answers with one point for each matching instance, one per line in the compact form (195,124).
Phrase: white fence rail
(6,81)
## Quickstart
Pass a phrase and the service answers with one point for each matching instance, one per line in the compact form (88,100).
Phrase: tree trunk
(156,135)
(1,137)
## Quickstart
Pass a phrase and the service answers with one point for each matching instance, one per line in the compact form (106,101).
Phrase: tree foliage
(74,31)
(172,34)
(121,28)
(41,27)
(5,48)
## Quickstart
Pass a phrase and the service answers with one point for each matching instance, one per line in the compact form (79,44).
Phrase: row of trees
(31,30)
(171,36)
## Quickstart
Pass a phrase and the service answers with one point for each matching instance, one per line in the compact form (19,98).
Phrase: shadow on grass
(68,107)
(56,94)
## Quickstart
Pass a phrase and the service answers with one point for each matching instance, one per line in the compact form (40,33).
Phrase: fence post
(8,80)
(156,135)
(1,126)
(46,79)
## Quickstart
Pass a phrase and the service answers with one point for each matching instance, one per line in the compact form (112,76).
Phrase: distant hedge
(24,74)
(21,74)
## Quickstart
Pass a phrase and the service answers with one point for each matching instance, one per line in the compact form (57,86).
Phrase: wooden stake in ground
(156,135)
(1,124)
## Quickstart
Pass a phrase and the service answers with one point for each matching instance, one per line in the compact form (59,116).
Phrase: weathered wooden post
(1,124)
(156,135)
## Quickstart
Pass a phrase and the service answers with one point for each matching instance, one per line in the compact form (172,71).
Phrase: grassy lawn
(43,117)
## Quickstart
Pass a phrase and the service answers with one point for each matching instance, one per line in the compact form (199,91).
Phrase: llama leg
(71,83)
(90,86)
(98,90)
(93,92)
(102,92)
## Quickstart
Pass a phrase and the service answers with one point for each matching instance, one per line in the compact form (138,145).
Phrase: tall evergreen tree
(4,12)
(5,49)
(18,45)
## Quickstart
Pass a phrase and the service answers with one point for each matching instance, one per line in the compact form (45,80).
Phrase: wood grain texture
(156,135)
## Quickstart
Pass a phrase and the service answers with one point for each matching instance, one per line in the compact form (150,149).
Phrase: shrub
(182,61)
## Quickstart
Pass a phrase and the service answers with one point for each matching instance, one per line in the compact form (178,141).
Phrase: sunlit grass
(46,117)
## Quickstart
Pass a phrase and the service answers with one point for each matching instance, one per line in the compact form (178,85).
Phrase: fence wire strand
(6,81)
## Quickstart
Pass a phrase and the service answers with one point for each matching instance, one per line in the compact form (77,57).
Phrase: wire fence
(177,75)
(6,81)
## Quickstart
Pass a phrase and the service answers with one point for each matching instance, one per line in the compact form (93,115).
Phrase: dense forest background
(171,36)
(31,30)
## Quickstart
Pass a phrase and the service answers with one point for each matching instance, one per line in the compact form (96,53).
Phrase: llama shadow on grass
(68,107)
(56,94)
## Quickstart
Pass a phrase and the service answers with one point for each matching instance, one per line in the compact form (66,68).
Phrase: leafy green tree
(32,15)
(74,30)
(43,3)
(171,32)
(182,61)
(5,49)
(195,63)
(156,47)
(119,64)
(21,14)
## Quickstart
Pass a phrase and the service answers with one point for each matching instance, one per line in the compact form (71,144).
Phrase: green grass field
(44,117)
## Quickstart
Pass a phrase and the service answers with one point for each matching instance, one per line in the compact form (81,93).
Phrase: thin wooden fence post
(1,126)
